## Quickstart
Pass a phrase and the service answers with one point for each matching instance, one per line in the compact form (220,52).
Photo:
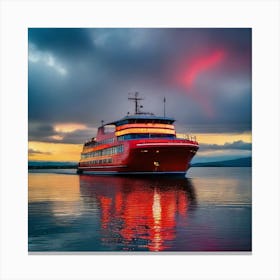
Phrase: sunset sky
(78,77)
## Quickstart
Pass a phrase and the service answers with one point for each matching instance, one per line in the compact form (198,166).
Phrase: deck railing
(186,137)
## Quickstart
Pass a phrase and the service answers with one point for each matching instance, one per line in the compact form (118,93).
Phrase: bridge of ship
(140,126)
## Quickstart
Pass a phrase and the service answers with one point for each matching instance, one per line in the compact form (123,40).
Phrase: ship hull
(148,157)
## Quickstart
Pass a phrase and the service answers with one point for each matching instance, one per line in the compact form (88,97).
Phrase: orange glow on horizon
(220,138)
(72,152)
(54,151)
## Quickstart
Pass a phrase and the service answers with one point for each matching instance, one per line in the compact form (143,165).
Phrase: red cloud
(189,73)
(199,65)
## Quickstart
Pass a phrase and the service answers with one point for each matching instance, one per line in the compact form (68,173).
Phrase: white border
(262,16)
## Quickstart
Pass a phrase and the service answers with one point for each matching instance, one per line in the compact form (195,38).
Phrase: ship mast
(136,99)
(164,101)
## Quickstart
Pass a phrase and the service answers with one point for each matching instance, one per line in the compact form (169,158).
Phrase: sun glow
(68,127)
(56,137)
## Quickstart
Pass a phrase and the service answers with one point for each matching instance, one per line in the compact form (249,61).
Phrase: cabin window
(122,122)
(104,152)
(144,135)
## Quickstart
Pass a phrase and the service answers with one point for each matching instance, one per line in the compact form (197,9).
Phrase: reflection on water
(139,211)
(211,211)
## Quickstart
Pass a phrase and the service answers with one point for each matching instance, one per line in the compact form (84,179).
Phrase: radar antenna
(136,99)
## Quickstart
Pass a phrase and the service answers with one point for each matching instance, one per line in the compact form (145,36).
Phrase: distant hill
(240,162)
(51,165)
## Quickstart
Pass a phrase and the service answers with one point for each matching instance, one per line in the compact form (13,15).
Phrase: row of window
(109,151)
(145,135)
(105,141)
(99,161)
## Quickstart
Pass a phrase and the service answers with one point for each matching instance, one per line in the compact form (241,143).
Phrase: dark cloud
(47,133)
(64,42)
(84,76)
(39,131)
(80,136)
(237,145)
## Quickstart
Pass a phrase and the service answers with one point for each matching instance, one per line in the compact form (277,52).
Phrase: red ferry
(138,144)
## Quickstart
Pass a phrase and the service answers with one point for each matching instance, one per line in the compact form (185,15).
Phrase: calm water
(209,211)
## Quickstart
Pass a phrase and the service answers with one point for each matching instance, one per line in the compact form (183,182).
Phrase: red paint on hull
(160,159)
(159,156)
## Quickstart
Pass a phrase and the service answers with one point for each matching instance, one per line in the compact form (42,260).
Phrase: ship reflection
(139,213)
